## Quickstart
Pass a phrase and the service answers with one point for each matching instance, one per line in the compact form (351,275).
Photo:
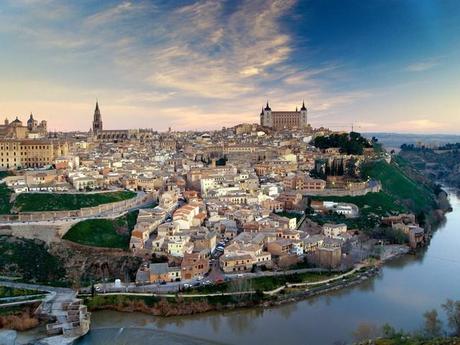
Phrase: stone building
(329,257)
(117,135)
(279,120)
(16,130)
(30,153)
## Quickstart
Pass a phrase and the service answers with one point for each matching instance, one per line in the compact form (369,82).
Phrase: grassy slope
(400,193)
(56,202)
(103,232)
(395,182)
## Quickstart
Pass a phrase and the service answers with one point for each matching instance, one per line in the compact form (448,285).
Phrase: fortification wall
(87,212)
(46,233)
(343,192)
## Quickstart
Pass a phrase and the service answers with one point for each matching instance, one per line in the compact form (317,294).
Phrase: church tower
(97,121)
(303,115)
(266,116)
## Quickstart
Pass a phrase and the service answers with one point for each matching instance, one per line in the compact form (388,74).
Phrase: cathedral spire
(97,120)
(303,106)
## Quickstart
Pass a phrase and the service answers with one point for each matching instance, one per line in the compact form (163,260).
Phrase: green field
(106,233)
(35,202)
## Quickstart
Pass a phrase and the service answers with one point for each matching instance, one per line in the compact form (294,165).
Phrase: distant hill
(395,140)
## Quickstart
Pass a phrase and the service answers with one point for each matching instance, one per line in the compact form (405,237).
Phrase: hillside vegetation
(396,183)
(30,260)
(5,194)
(109,233)
(34,202)
(400,193)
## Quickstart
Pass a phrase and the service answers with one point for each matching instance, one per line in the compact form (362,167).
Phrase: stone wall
(46,233)
(343,192)
(87,212)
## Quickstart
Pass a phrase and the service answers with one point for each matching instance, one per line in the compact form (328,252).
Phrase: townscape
(244,172)
(206,208)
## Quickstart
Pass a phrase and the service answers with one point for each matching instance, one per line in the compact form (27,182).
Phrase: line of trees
(349,143)
(433,327)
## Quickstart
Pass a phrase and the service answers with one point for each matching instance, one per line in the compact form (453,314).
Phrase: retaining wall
(114,207)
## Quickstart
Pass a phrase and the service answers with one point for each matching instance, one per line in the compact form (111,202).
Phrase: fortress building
(116,135)
(279,120)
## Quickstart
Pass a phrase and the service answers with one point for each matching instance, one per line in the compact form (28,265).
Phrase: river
(407,287)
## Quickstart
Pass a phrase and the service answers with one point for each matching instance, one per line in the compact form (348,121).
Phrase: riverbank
(167,305)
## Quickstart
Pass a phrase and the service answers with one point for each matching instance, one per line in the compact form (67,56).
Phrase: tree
(388,331)
(452,309)
(433,326)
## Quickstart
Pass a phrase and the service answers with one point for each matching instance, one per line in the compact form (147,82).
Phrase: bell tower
(97,120)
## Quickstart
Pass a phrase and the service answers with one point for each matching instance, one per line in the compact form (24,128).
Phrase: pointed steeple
(303,106)
(267,107)
(97,120)
(262,112)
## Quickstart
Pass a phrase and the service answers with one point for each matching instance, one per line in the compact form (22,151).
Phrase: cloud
(422,66)
(421,124)
(208,62)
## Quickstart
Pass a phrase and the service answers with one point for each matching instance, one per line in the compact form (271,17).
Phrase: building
(303,183)
(97,120)
(16,130)
(194,265)
(284,119)
(329,257)
(334,230)
(29,153)
(157,273)
(116,136)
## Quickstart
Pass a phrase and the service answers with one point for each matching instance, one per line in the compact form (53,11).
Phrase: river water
(407,287)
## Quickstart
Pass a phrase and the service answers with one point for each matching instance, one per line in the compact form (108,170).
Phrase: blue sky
(383,65)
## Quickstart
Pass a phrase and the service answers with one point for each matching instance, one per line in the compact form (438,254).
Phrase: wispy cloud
(421,66)
(206,60)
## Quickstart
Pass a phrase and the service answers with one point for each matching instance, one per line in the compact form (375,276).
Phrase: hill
(108,233)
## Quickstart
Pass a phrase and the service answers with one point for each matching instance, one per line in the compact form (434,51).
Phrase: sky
(381,65)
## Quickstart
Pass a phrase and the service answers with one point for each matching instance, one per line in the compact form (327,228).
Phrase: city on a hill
(177,223)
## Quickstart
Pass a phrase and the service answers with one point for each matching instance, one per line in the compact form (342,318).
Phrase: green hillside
(400,193)
(109,233)
(397,184)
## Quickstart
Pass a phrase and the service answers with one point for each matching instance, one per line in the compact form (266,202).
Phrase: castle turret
(266,116)
(303,115)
